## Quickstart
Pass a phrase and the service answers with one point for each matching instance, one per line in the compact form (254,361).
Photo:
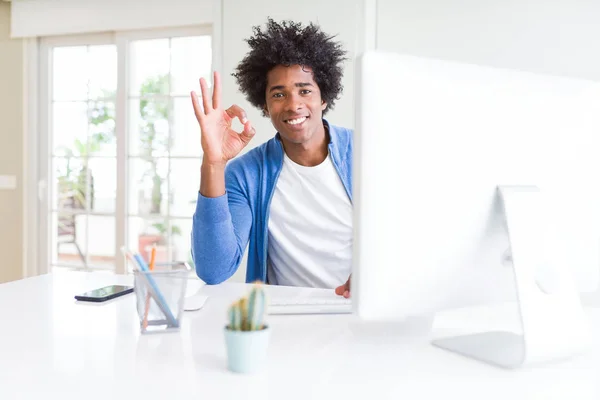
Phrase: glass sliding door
(118,110)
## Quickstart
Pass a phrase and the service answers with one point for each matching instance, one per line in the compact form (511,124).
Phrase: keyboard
(310,305)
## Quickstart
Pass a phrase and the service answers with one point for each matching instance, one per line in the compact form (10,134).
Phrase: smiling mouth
(296,121)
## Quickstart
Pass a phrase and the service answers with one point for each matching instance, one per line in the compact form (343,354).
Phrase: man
(288,199)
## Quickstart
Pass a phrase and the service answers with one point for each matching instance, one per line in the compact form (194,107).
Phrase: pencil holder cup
(160,295)
(246,334)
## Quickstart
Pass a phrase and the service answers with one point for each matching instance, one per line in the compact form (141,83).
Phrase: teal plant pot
(246,350)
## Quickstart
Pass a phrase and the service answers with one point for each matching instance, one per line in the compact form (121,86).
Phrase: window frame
(42,165)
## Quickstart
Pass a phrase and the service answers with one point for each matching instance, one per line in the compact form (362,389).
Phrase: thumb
(248,132)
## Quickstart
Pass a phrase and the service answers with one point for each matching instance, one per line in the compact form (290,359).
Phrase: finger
(237,111)
(347,294)
(197,108)
(216,91)
(343,288)
(205,96)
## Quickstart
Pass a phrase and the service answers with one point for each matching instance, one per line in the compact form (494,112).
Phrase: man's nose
(294,103)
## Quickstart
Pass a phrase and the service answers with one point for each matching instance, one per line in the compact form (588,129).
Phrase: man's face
(294,103)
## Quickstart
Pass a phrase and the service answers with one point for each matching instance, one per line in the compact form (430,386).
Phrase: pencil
(151,268)
(152,258)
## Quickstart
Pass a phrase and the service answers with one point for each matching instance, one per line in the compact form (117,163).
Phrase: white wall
(59,17)
(544,36)
(11,149)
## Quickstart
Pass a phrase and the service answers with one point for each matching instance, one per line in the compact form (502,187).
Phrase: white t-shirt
(310,227)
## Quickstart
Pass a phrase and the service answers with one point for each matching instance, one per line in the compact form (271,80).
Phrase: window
(123,146)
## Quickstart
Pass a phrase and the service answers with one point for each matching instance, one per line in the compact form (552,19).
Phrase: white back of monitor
(433,141)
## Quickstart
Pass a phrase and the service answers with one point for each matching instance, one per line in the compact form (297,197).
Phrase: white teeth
(296,121)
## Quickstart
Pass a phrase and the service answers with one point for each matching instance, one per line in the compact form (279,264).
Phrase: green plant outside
(102,119)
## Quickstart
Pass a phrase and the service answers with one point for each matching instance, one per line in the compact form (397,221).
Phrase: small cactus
(248,313)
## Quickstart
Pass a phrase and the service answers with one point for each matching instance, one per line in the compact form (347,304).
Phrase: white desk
(52,346)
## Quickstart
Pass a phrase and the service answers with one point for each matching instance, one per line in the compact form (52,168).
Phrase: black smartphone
(105,293)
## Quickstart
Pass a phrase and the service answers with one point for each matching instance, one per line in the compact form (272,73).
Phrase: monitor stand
(553,321)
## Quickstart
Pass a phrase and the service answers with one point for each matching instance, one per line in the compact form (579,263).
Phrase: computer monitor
(449,159)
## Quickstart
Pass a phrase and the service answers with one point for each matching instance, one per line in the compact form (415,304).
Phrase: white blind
(30,18)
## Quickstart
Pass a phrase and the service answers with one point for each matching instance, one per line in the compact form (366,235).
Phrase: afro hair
(291,43)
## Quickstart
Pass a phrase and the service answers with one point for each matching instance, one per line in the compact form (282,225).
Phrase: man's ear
(323,106)
(265,110)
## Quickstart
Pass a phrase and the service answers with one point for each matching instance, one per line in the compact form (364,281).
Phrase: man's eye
(277,95)
(305,91)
